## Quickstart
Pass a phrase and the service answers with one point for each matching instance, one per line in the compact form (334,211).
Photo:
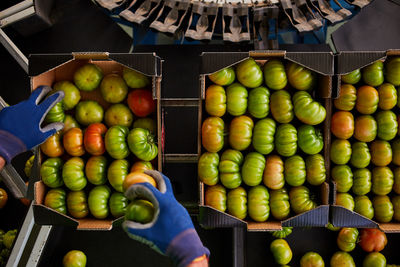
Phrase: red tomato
(93,139)
(342,124)
(372,240)
(141,102)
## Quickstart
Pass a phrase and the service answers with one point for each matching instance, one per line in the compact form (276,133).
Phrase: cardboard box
(347,62)
(47,69)
(322,63)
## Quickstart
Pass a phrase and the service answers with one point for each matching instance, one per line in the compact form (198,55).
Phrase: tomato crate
(141,73)
(319,66)
(368,80)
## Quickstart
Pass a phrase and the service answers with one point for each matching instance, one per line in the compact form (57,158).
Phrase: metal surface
(17,16)
(15,9)
(180,158)
(14,51)
(179,102)
(239,246)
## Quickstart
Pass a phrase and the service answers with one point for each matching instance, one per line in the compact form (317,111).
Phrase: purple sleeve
(10,146)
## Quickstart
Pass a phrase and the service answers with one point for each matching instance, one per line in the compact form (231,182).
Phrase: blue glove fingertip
(39,93)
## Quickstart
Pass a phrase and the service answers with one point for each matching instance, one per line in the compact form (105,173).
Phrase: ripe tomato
(141,102)
(52,147)
(347,98)
(3,198)
(93,139)
(73,142)
(342,124)
(367,99)
(372,240)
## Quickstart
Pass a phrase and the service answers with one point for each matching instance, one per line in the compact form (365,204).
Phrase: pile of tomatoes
(262,140)
(366,150)
(87,164)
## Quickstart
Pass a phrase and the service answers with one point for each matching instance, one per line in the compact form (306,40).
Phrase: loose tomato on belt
(73,174)
(215,100)
(215,197)
(96,170)
(117,172)
(387,125)
(343,176)
(342,259)
(387,96)
(55,199)
(249,73)
(342,124)
(360,156)
(237,203)
(51,172)
(253,168)
(295,170)
(212,134)
(236,99)
(281,106)
(300,199)
(240,132)
(142,144)
(374,259)
(258,203)
(315,169)
(310,139)
(263,136)
(258,104)
(381,153)
(363,205)
(312,259)
(77,204)
(286,140)
(373,74)
(366,128)
(367,100)
(281,251)
(279,203)
(383,209)
(229,168)
(352,77)
(275,74)
(340,151)
(223,77)
(208,168)
(98,201)
(347,97)
(307,109)
(300,77)
(361,181)
(273,176)
(52,147)
(74,258)
(93,139)
(372,240)
(347,239)
(115,142)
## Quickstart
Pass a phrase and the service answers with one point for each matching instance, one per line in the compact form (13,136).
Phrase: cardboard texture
(323,64)
(48,69)
(347,62)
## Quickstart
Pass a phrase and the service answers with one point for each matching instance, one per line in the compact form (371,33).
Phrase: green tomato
(28,166)
(258,105)
(73,174)
(347,239)
(374,259)
(342,259)
(118,114)
(240,132)
(393,71)
(279,204)
(212,134)
(69,122)
(117,172)
(88,77)
(352,77)
(281,106)
(215,101)
(115,142)
(55,114)
(396,185)
(343,177)
(237,203)
(51,172)
(74,258)
(373,74)
(295,171)
(363,206)
(146,123)
(345,200)
(118,204)
(223,77)
(360,156)
(263,136)
(307,109)
(281,251)
(275,74)
(315,169)
(135,79)
(98,201)
(140,210)
(113,88)
(387,125)
(286,140)
(340,151)
(8,238)
(253,168)
(300,199)
(330,227)
(282,233)
(361,182)
(141,142)
(300,77)
(383,209)
(72,94)
(310,139)
(311,259)
(347,97)
(258,203)
(208,168)
(249,73)
(396,151)
(77,204)
(236,99)
(396,207)
(229,168)
(55,199)
(88,112)
(96,170)
(382,180)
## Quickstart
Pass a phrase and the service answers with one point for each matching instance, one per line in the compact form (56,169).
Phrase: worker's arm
(2,163)
(20,125)
(171,231)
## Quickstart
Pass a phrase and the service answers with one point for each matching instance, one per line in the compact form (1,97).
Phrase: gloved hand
(20,128)
(171,231)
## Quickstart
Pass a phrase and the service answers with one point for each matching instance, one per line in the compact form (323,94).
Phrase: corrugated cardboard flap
(212,218)
(40,63)
(46,216)
(349,61)
(146,63)
(320,62)
(342,217)
(214,61)
(317,217)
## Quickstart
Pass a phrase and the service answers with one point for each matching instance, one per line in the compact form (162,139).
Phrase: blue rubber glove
(20,128)
(171,231)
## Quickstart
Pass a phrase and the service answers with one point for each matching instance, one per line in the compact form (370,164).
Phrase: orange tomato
(3,198)
(141,166)
(347,98)
(52,147)
(212,134)
(342,124)
(365,129)
(93,139)
(73,142)
(137,177)
(367,99)
(381,153)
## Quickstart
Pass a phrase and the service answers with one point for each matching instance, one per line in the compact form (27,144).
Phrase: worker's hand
(20,125)
(171,231)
